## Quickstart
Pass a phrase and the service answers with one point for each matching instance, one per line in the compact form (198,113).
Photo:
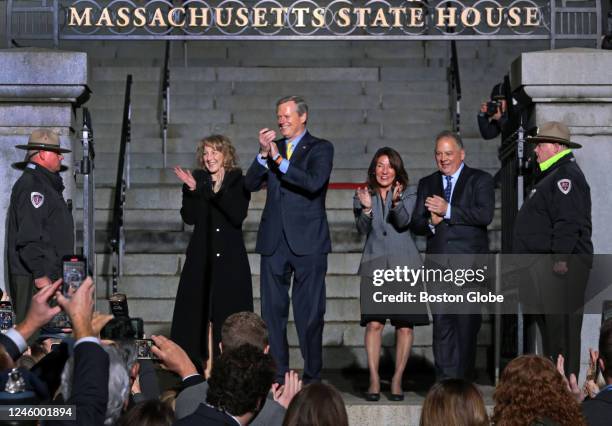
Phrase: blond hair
(219,143)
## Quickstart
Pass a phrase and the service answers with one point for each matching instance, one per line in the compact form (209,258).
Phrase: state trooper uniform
(555,222)
(40,225)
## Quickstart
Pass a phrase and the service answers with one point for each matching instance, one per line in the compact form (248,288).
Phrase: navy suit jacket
(295,201)
(89,385)
(472,209)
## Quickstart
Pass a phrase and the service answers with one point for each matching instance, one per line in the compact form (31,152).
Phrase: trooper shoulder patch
(37,199)
(565,186)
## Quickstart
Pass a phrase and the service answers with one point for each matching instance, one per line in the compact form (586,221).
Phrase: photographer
(493,115)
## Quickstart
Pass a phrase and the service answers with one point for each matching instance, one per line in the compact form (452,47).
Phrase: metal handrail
(165,102)
(455,88)
(117,237)
(86,169)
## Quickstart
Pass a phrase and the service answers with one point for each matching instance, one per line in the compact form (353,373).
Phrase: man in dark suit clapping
(453,208)
(293,235)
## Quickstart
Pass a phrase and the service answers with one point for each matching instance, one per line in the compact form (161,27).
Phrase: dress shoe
(372,397)
(396,397)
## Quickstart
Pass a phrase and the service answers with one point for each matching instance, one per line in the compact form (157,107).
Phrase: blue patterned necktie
(448,189)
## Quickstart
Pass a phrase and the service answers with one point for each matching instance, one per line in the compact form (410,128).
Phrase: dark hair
(317,404)
(244,327)
(300,102)
(152,412)
(240,380)
(454,402)
(605,347)
(395,160)
(452,135)
(532,389)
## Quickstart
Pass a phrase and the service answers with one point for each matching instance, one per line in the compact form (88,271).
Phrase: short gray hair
(450,134)
(118,383)
(302,106)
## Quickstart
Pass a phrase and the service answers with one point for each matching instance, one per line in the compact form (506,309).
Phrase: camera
(492,107)
(122,326)
(119,306)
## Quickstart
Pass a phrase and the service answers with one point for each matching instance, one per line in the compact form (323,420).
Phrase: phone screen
(74,270)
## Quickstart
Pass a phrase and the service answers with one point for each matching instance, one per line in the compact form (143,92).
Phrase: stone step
(169,197)
(297,51)
(409,140)
(106,176)
(264,117)
(335,334)
(335,101)
(171,264)
(165,286)
(274,74)
(415,150)
(170,220)
(244,74)
(346,160)
(330,100)
(341,321)
(307,89)
(344,240)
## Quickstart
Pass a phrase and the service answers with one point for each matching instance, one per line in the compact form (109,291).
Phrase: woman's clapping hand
(186,177)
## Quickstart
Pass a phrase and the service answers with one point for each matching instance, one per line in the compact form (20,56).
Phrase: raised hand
(80,308)
(172,356)
(398,188)
(365,198)
(186,177)
(39,313)
(265,137)
(284,394)
(98,321)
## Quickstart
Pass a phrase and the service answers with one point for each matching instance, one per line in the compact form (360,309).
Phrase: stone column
(38,88)
(575,86)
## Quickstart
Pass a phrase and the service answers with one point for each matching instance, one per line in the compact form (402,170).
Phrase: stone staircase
(362,96)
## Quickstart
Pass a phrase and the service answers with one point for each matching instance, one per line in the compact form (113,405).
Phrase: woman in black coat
(216,279)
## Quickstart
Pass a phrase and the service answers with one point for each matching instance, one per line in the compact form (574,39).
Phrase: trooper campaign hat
(43,140)
(40,140)
(553,132)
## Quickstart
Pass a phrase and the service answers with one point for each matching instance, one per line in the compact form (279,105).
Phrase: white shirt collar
(455,175)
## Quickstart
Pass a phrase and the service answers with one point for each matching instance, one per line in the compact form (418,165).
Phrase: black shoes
(396,397)
(372,397)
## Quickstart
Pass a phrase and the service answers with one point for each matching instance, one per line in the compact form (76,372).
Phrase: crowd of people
(108,384)
(232,366)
